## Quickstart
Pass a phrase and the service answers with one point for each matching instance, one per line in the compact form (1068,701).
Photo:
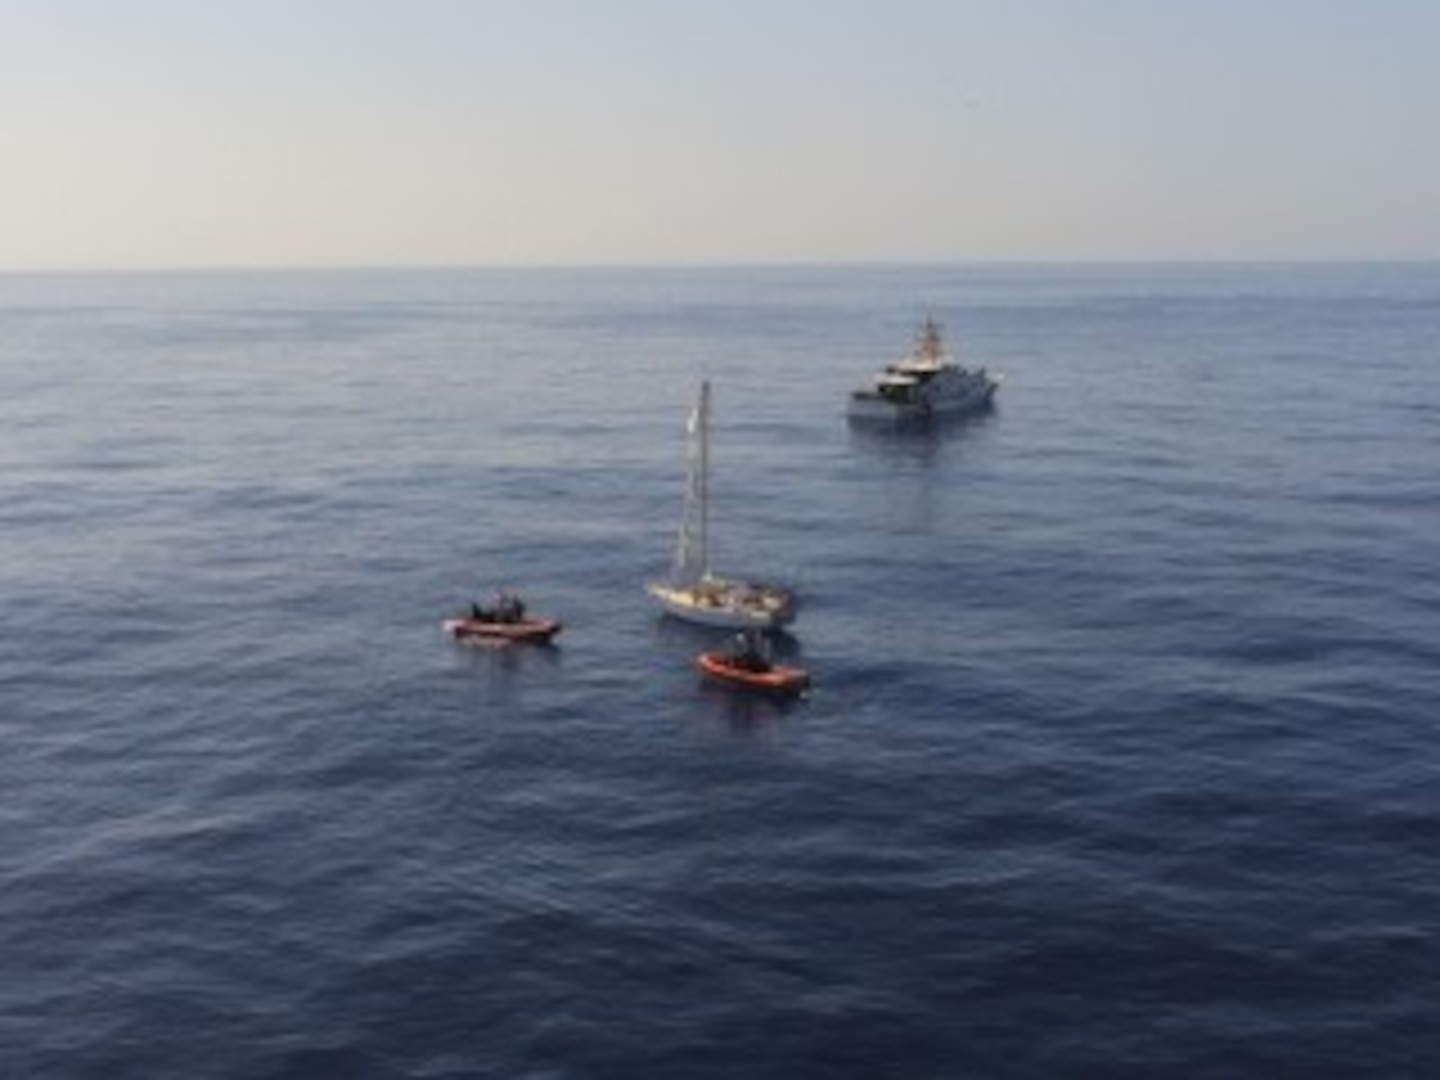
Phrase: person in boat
(509,608)
(506,608)
(497,611)
(748,652)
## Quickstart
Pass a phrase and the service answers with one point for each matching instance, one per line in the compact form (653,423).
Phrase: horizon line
(1012,262)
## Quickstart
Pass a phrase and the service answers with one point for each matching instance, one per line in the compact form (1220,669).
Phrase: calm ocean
(1123,759)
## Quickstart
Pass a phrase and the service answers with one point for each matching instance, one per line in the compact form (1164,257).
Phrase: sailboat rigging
(693,592)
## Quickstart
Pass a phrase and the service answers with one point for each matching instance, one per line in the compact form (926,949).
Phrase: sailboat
(693,592)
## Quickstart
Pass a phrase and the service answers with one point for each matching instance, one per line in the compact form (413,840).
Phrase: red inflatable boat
(534,631)
(768,678)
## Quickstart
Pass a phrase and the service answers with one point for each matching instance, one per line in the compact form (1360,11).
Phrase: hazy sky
(437,132)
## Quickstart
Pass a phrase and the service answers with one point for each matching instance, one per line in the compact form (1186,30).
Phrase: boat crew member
(747,652)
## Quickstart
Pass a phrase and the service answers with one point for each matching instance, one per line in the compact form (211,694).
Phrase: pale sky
(197,133)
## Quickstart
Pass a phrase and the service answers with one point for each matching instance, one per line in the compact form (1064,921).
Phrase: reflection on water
(506,659)
(745,712)
(918,440)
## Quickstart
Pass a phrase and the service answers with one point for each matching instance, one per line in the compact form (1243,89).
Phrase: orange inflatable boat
(768,678)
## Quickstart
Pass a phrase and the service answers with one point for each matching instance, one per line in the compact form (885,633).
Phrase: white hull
(928,383)
(865,405)
(728,604)
(693,593)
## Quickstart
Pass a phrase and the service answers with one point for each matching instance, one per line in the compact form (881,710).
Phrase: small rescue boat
(767,678)
(532,631)
(503,620)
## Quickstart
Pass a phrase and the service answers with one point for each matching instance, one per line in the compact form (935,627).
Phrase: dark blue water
(1122,760)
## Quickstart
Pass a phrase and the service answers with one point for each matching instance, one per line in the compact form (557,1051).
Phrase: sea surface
(1123,758)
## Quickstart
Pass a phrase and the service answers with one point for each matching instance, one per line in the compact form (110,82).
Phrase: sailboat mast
(703,481)
(692,555)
